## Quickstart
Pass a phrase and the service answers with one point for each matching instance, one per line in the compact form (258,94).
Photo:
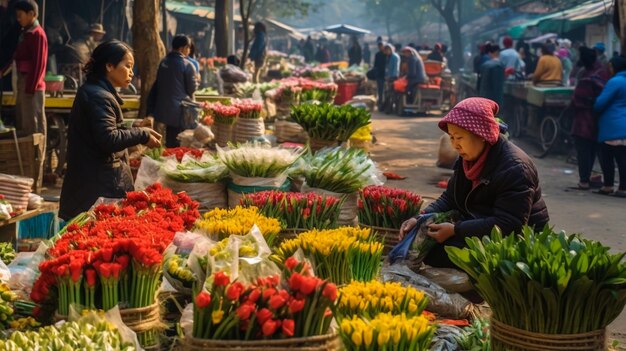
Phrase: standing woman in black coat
(494,183)
(97,164)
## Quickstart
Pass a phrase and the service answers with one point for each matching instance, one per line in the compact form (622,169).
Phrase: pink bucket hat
(476,115)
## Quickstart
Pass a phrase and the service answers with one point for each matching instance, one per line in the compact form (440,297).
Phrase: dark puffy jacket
(97,161)
(176,81)
(508,195)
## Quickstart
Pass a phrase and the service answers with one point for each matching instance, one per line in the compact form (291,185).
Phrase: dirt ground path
(408,146)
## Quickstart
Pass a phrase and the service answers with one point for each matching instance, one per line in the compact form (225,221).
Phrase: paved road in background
(408,146)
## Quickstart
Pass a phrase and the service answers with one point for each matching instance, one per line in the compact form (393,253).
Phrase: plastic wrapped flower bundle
(115,258)
(385,207)
(248,108)
(369,299)
(387,332)
(79,335)
(180,152)
(316,91)
(329,122)
(297,210)
(256,160)
(340,170)
(294,304)
(219,224)
(340,255)
(224,114)
(192,169)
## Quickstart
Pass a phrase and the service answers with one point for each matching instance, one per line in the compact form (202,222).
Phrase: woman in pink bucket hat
(494,183)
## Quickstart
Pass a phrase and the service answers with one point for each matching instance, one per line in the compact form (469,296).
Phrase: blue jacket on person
(392,68)
(257,50)
(611,107)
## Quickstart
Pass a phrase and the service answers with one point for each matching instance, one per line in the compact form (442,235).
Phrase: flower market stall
(242,243)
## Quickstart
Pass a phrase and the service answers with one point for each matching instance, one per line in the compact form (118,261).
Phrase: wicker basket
(389,236)
(223,133)
(318,144)
(289,233)
(508,338)
(145,321)
(326,342)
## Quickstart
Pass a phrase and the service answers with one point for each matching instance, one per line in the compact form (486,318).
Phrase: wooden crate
(31,150)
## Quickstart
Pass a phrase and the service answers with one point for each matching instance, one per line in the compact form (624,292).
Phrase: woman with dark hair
(258,49)
(97,164)
(611,106)
(591,80)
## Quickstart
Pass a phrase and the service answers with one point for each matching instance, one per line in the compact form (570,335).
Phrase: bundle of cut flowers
(315,91)
(248,108)
(181,151)
(387,332)
(6,210)
(385,207)
(329,122)
(256,160)
(296,305)
(368,299)
(224,114)
(423,242)
(206,169)
(296,210)
(340,255)
(115,257)
(246,90)
(340,170)
(219,224)
(545,282)
(215,62)
(79,335)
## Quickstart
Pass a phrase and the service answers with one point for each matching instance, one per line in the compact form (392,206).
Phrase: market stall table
(8,228)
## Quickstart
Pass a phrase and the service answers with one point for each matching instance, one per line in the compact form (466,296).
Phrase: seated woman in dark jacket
(97,164)
(494,182)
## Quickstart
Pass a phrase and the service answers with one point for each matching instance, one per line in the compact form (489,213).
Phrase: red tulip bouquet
(385,207)
(225,114)
(296,210)
(296,305)
(116,257)
(248,108)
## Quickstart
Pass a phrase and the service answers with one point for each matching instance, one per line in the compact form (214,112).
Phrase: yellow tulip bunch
(177,268)
(369,299)
(387,332)
(219,223)
(339,255)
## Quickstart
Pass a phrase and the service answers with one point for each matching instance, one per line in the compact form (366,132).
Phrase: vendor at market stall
(97,160)
(494,183)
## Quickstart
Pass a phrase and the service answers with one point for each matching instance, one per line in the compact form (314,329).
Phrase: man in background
(176,81)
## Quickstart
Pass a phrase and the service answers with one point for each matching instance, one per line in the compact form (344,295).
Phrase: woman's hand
(407,226)
(154,140)
(441,232)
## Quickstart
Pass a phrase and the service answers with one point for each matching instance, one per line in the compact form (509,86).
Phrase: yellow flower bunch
(177,268)
(247,248)
(372,298)
(340,255)
(387,332)
(219,223)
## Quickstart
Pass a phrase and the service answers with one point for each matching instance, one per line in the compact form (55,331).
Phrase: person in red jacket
(31,56)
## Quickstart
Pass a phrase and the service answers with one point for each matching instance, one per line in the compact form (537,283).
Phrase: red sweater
(31,57)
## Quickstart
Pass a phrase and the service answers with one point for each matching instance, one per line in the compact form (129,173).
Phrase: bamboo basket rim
(527,340)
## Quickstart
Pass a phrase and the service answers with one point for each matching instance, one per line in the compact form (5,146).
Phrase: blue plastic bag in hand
(401,251)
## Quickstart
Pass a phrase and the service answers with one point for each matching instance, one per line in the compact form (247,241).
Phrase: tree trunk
(245,8)
(456,42)
(620,12)
(148,46)
(221,28)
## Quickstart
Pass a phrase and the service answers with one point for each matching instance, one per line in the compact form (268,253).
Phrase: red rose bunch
(385,207)
(181,151)
(298,305)
(249,108)
(224,114)
(296,210)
